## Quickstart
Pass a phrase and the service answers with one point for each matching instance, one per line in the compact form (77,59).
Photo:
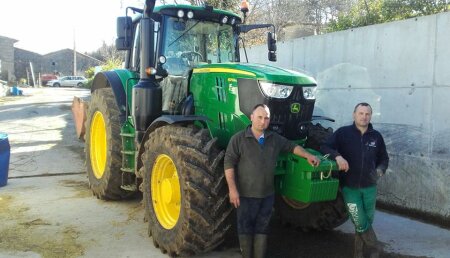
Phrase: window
(189,43)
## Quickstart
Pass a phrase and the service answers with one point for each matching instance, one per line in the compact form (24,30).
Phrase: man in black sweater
(360,152)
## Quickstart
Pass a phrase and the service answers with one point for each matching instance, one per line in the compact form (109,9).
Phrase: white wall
(403,70)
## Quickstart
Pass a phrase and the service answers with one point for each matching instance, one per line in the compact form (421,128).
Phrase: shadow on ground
(286,242)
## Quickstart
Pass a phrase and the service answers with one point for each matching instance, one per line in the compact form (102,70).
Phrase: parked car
(47,77)
(68,81)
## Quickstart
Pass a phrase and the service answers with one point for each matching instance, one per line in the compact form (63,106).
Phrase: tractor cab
(184,37)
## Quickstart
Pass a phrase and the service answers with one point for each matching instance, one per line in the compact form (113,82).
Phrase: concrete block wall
(401,69)
(7,58)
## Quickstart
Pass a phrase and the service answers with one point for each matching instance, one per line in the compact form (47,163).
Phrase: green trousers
(360,203)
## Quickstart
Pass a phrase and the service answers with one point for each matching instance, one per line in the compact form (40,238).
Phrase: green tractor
(161,124)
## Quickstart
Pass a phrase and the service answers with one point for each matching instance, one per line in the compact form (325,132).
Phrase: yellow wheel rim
(295,204)
(166,194)
(98,145)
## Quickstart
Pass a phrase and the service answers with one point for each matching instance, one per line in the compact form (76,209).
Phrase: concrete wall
(402,70)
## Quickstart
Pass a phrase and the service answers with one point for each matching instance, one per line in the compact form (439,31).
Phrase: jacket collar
(369,128)
(249,133)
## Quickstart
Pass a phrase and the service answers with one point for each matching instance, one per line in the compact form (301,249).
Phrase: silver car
(68,81)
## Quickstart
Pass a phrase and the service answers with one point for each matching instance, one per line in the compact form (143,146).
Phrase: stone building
(61,62)
(7,58)
(15,62)
(22,59)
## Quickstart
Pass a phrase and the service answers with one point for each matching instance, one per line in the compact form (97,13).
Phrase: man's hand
(313,160)
(234,198)
(380,172)
(232,189)
(342,163)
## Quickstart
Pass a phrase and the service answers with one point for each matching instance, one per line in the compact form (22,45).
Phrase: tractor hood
(259,72)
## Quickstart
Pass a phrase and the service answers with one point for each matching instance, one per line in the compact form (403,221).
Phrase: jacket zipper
(362,160)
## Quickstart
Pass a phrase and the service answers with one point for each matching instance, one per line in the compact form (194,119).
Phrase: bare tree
(107,52)
(307,16)
(231,5)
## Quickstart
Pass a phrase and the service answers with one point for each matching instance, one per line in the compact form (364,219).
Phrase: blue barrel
(4,158)
(14,91)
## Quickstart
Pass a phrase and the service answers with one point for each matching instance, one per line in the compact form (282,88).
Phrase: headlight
(308,93)
(276,90)
(180,13)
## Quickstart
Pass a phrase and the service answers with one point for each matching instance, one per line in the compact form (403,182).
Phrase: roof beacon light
(244,6)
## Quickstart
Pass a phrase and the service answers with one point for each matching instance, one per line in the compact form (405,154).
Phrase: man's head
(362,115)
(260,117)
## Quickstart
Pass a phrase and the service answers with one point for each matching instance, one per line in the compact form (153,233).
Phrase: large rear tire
(185,192)
(103,145)
(313,216)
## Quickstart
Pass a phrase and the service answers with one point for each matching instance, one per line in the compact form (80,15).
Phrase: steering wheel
(192,56)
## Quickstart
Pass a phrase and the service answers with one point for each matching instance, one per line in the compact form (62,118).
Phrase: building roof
(70,50)
(10,39)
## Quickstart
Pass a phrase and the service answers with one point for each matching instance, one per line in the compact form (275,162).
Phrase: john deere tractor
(161,124)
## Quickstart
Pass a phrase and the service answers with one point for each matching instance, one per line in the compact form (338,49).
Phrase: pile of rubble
(4,89)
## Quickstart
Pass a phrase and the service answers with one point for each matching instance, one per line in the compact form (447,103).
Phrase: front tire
(312,216)
(185,192)
(103,145)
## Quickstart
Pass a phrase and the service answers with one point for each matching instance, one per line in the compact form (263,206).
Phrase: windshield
(195,42)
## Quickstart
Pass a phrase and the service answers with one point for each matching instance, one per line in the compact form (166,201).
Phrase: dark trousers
(253,215)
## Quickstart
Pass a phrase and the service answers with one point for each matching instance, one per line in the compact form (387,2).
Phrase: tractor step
(128,148)
(131,188)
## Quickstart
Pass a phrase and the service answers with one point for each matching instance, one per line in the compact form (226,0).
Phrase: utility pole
(32,75)
(74,55)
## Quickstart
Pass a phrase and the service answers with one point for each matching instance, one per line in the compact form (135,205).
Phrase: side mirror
(272,46)
(124,33)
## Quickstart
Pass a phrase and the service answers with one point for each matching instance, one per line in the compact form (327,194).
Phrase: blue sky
(45,26)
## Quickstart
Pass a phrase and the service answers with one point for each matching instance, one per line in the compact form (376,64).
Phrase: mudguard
(112,79)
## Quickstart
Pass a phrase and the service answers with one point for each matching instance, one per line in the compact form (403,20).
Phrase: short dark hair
(260,105)
(362,104)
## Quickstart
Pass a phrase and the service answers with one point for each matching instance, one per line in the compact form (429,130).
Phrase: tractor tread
(202,224)
(107,187)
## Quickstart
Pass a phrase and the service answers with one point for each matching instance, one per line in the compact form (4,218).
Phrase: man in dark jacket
(360,152)
(250,162)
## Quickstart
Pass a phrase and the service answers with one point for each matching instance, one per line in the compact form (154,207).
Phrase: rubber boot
(359,246)
(371,241)
(259,246)
(246,244)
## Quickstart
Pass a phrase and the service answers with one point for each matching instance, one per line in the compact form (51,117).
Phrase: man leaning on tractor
(249,164)
(360,152)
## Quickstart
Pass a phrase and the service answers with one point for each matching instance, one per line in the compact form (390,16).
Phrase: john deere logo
(295,107)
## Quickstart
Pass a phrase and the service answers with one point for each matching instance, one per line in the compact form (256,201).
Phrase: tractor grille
(282,120)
